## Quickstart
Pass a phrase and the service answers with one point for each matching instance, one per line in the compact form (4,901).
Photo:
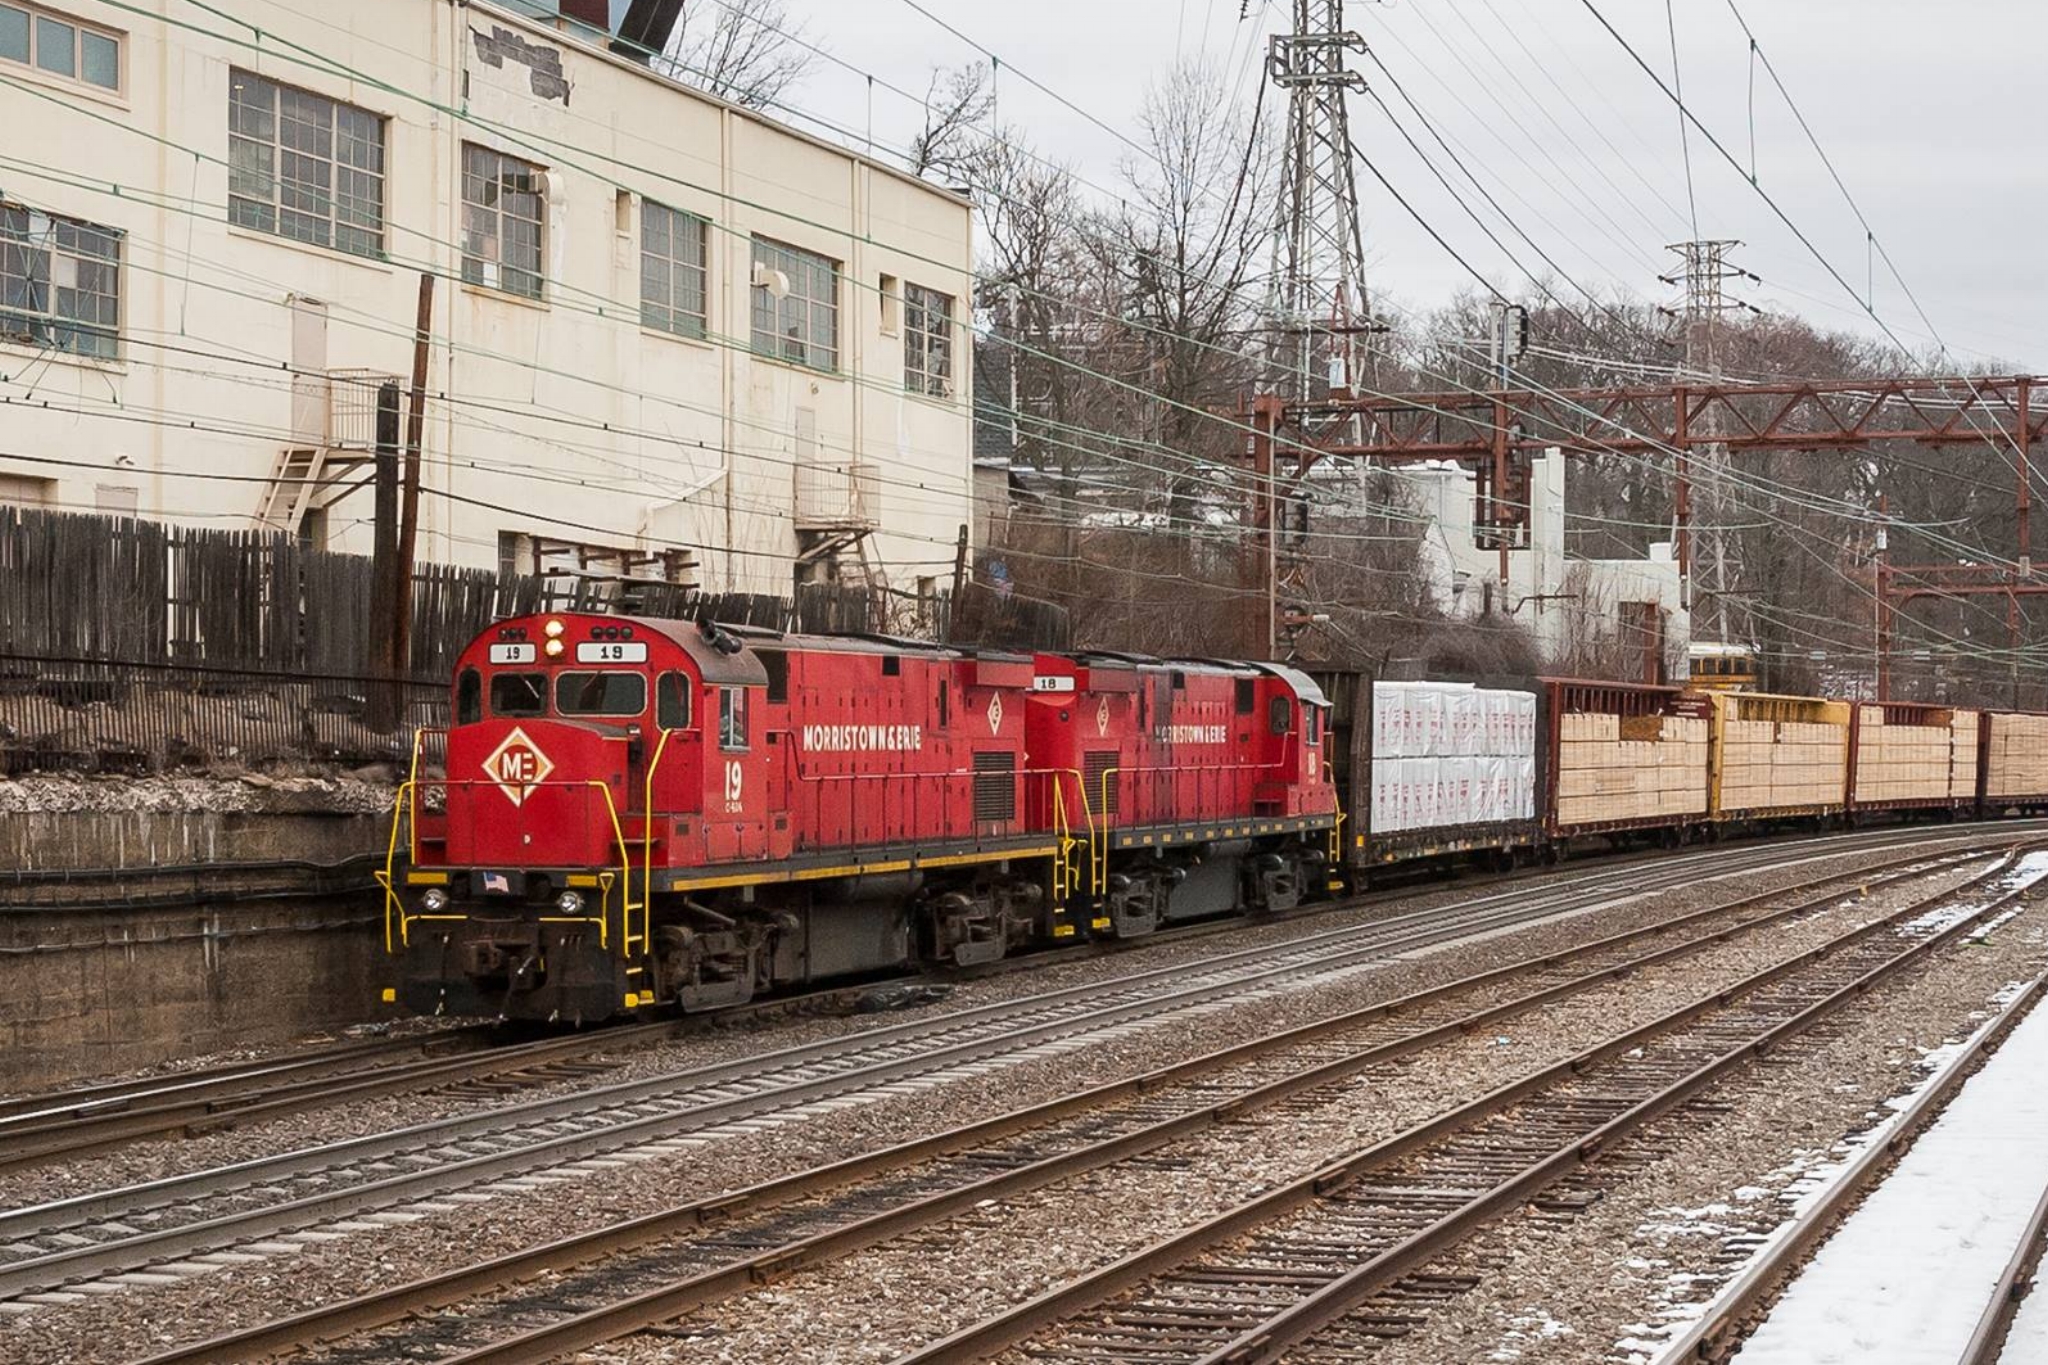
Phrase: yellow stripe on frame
(426,879)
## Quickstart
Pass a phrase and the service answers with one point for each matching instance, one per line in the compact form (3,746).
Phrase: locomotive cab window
(600,694)
(1247,695)
(672,702)
(1280,715)
(1313,718)
(469,697)
(519,694)
(732,718)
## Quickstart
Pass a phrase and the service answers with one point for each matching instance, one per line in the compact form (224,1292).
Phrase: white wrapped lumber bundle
(1917,761)
(2016,756)
(1451,754)
(1617,768)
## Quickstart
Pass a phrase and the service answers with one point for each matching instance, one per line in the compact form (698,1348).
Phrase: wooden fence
(137,645)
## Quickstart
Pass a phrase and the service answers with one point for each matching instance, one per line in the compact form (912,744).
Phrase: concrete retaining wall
(92,987)
(90,993)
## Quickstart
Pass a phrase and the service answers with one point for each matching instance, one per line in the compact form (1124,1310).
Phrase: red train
(644,813)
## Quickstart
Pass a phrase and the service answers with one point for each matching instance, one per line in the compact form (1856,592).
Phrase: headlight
(554,648)
(434,901)
(553,629)
(569,902)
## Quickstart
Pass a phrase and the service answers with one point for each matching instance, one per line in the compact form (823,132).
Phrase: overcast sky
(1933,113)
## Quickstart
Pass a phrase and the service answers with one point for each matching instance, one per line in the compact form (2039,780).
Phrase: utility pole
(383,693)
(409,502)
(1717,614)
(1495,517)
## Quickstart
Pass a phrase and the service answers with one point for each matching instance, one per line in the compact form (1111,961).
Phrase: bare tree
(954,101)
(746,51)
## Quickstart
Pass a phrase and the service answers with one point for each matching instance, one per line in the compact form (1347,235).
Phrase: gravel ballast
(904,1294)
(129,1324)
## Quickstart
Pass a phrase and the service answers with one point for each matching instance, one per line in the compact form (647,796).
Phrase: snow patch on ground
(1807,1176)
(1533,1326)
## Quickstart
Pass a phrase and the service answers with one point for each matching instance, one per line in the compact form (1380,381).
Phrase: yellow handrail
(1063,827)
(1337,803)
(412,779)
(388,877)
(1099,849)
(647,853)
(625,869)
(601,919)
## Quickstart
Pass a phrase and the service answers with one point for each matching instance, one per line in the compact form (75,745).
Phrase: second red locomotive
(643,813)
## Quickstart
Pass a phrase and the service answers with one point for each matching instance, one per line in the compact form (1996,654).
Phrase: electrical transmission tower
(1315,304)
(1720,613)
(1317,301)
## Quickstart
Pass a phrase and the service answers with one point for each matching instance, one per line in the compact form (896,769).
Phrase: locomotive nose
(537,793)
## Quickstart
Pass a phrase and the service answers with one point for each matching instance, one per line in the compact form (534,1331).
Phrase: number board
(611,652)
(513,654)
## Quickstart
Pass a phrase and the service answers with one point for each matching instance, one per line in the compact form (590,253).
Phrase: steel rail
(53,1269)
(1265,963)
(435,1163)
(40,1128)
(17,1111)
(282,1087)
(366,1312)
(1342,1294)
(1987,1343)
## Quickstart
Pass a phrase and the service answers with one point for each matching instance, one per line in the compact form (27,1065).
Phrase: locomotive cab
(526,891)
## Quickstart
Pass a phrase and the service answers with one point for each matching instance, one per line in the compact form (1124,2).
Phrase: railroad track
(1333,1263)
(66,1125)
(588,1289)
(36,1130)
(192,1224)
(1746,1300)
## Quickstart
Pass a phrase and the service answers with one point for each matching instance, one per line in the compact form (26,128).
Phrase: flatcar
(641,814)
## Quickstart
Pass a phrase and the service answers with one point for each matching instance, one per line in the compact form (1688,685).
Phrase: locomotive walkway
(594,1287)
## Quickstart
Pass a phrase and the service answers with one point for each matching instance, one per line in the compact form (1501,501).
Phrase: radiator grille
(1093,765)
(995,786)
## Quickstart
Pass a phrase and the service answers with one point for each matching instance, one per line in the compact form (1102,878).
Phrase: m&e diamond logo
(518,766)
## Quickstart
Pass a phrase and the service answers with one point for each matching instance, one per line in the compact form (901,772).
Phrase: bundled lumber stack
(1613,768)
(1447,755)
(1962,756)
(1771,764)
(2016,756)
(1915,762)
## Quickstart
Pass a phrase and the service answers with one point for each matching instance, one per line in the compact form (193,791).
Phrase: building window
(672,274)
(304,166)
(59,46)
(503,222)
(60,282)
(927,341)
(796,305)
(28,491)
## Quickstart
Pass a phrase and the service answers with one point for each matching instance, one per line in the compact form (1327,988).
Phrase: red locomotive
(643,813)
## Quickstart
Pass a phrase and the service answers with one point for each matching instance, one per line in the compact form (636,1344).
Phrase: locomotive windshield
(601,694)
(519,694)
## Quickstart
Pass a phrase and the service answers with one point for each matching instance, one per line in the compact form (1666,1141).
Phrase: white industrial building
(1574,609)
(670,338)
